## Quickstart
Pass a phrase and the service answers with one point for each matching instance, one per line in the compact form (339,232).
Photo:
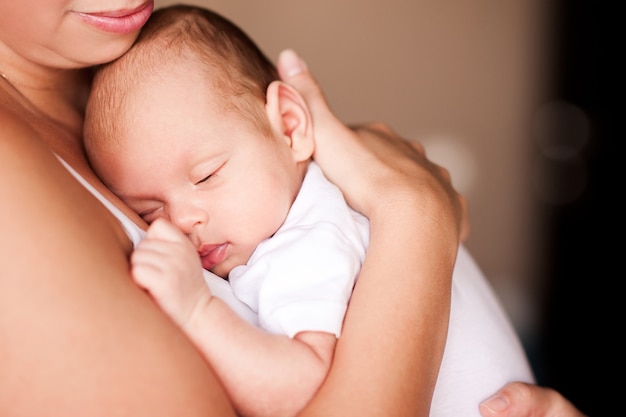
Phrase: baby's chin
(221,272)
(230,262)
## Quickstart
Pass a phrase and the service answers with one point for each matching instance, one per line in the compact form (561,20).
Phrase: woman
(79,338)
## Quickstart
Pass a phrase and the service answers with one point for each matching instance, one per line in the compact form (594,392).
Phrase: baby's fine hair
(215,40)
(239,70)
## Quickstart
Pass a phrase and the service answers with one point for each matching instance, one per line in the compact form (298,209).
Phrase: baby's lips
(211,255)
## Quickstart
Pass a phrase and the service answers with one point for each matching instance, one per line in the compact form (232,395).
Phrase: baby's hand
(167,265)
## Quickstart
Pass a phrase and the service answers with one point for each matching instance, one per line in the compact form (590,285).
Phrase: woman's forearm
(387,359)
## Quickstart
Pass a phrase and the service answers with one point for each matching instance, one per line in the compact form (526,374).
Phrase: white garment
(482,351)
(301,278)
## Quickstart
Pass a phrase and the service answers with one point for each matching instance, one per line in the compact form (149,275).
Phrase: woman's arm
(387,359)
(78,337)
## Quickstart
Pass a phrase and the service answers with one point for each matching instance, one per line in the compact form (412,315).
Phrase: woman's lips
(119,21)
(211,255)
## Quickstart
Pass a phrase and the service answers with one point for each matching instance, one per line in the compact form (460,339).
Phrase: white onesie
(482,351)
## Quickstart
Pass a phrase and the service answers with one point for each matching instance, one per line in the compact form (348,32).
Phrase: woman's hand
(519,399)
(374,167)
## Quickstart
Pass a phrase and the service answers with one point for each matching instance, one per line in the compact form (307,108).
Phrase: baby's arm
(264,374)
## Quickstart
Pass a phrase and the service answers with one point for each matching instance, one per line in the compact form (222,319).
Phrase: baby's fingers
(149,265)
(162,229)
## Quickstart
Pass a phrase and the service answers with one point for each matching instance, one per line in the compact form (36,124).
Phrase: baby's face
(208,170)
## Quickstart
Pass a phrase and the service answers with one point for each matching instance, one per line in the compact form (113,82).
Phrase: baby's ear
(290,119)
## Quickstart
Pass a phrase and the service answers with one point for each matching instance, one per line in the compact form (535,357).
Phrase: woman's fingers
(369,161)
(293,70)
(518,399)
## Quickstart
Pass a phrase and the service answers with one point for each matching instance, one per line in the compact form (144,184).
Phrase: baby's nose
(188,218)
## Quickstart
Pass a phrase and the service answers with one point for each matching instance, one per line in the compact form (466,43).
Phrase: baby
(203,139)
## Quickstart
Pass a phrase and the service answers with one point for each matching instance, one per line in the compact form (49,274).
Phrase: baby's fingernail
(496,404)
(291,63)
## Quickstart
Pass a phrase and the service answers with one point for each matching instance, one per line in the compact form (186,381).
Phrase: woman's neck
(60,96)
(53,105)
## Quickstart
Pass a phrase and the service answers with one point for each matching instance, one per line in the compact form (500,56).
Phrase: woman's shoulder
(14,125)
(21,152)
(75,320)
(19,140)
(37,191)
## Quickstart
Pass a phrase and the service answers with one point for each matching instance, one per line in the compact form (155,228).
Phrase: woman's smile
(119,21)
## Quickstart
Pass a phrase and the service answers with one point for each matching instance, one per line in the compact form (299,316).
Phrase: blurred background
(506,95)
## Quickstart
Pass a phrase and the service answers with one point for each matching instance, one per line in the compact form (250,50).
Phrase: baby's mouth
(211,255)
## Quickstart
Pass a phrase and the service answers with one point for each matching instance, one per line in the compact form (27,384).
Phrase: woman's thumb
(294,71)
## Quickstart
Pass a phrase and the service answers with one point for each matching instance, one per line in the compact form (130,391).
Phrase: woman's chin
(107,52)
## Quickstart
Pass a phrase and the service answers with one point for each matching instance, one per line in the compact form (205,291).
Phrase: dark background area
(580,345)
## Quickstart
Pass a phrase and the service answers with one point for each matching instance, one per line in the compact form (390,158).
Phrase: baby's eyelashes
(204,179)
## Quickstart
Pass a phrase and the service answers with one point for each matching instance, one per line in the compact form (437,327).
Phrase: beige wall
(463,77)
